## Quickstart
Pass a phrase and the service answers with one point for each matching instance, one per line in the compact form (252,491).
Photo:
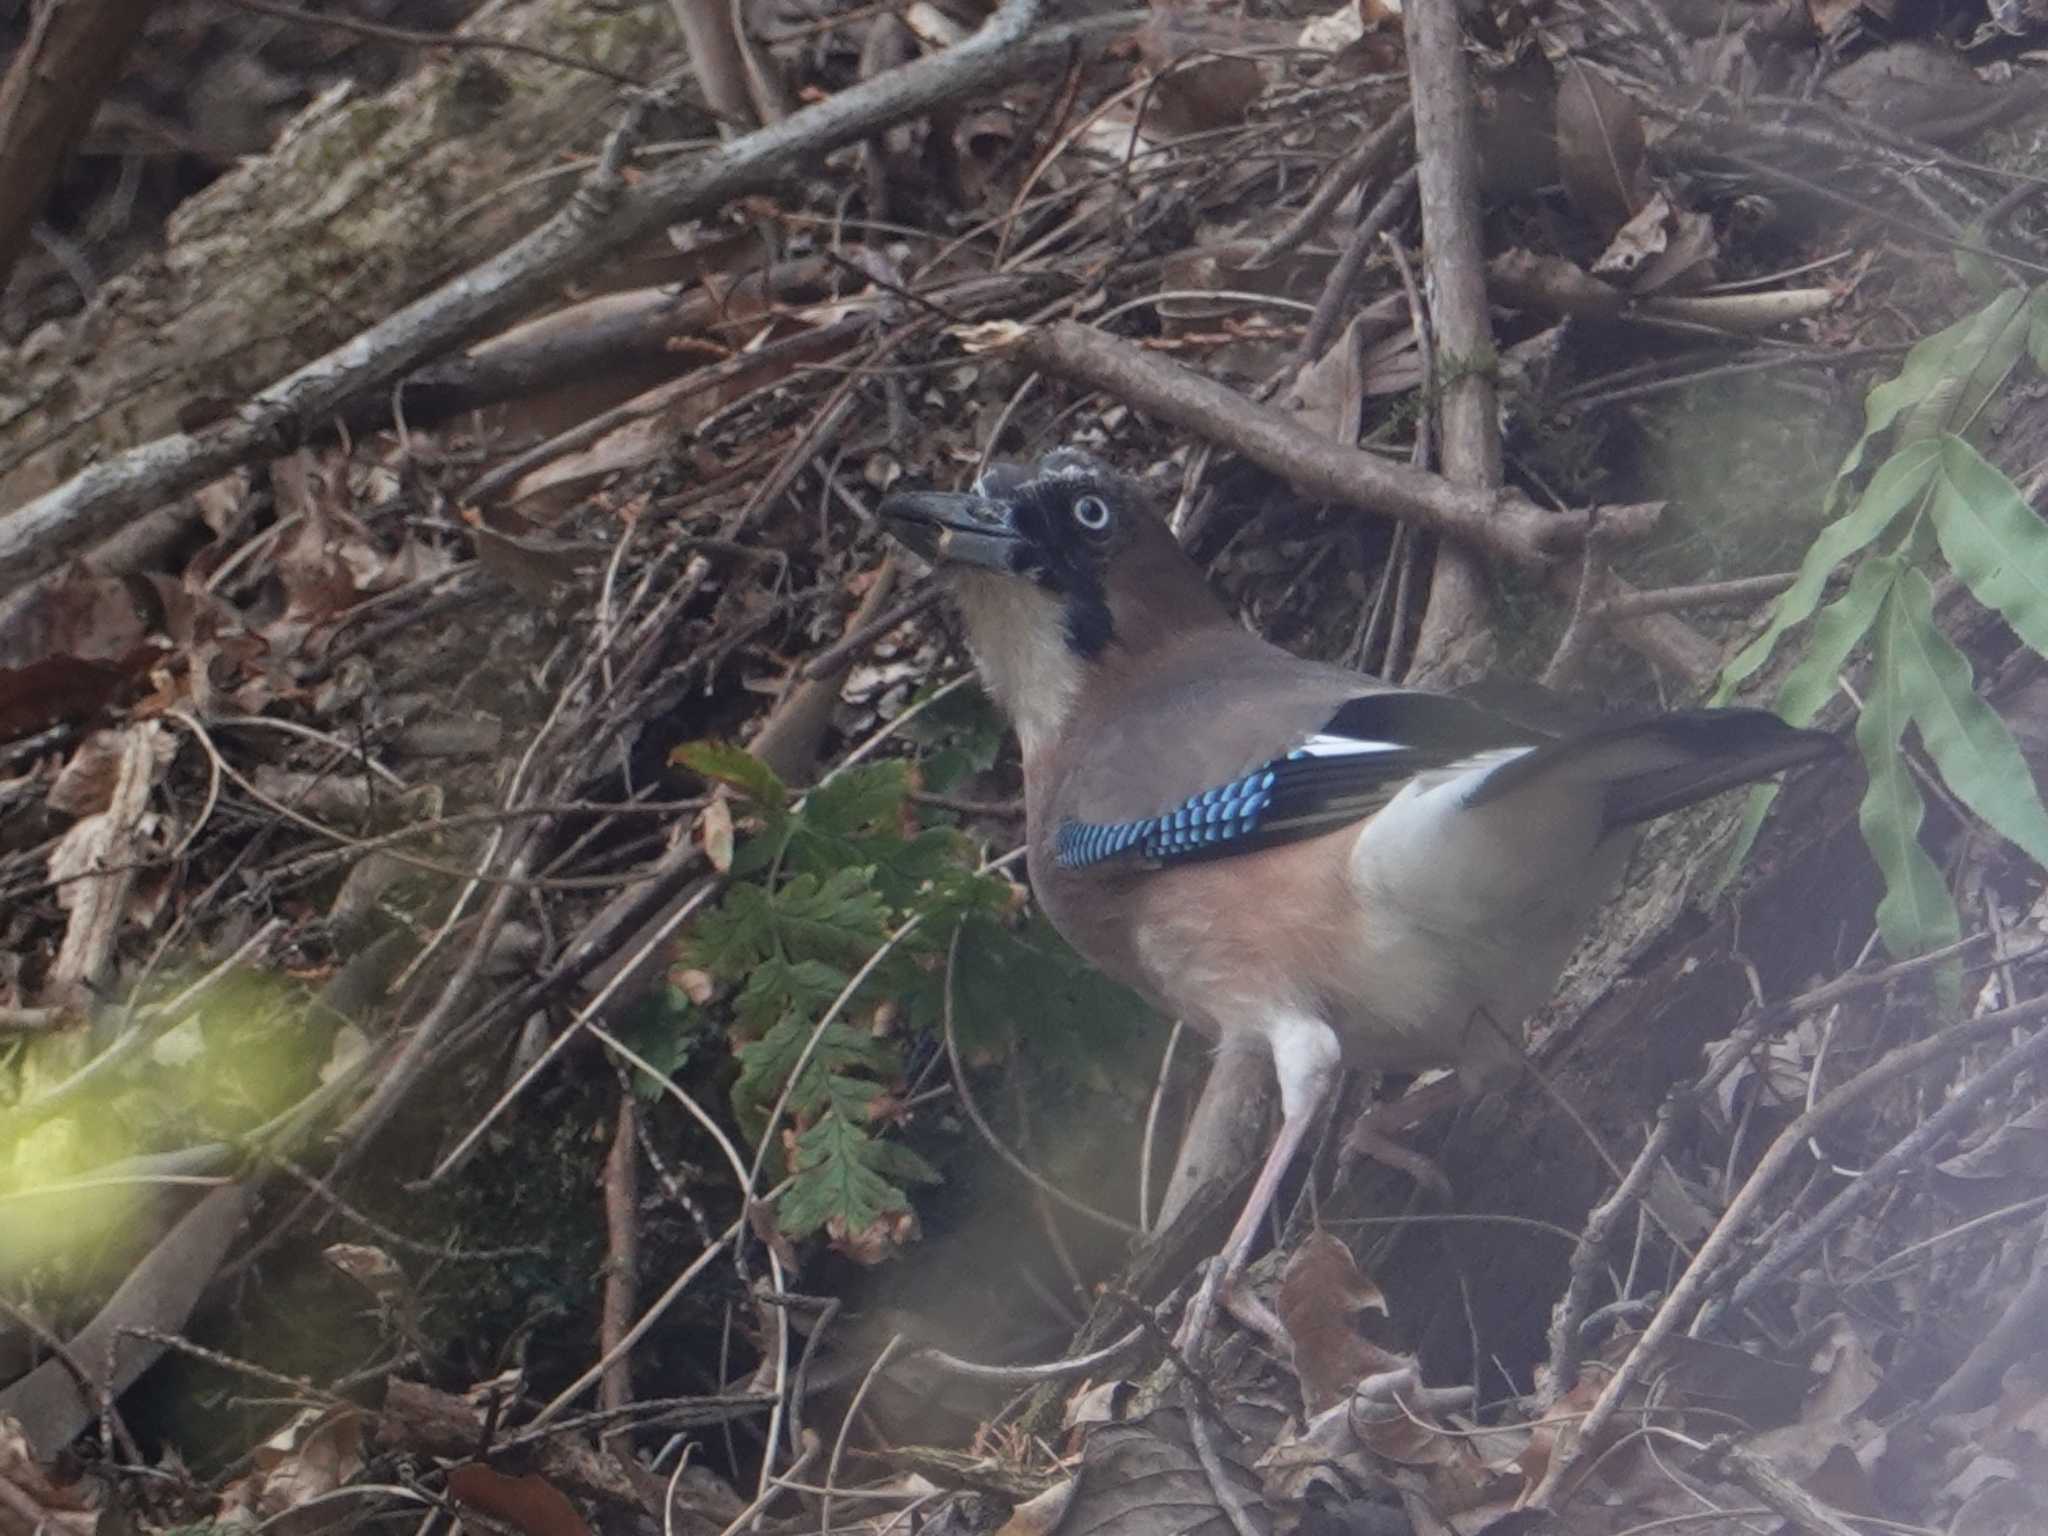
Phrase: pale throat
(1018,636)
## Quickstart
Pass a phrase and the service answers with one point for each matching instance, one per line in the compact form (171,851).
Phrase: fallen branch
(1497,521)
(159,1292)
(603,216)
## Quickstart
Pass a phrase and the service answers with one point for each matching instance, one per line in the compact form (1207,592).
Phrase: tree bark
(364,204)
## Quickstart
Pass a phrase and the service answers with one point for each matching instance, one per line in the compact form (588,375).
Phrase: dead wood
(603,217)
(363,205)
(1456,642)
(50,1403)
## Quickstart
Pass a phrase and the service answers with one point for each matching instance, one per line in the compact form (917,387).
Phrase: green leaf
(1993,539)
(1838,631)
(1807,688)
(1982,358)
(841,1051)
(898,867)
(1974,264)
(664,1029)
(1917,913)
(736,935)
(1964,736)
(777,987)
(839,917)
(2037,327)
(724,763)
(857,799)
(844,1173)
(1898,483)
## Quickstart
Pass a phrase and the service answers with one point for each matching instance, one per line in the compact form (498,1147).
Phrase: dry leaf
(1328,395)
(714,832)
(1321,1290)
(1600,148)
(1142,1478)
(1041,1515)
(878,1241)
(530,1504)
(1200,81)
(53,1510)
(2018,1149)
(988,336)
(115,840)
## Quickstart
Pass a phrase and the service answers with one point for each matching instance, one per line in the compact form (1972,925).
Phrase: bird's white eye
(1092,513)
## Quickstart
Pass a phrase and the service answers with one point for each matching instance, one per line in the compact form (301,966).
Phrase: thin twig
(1367,159)
(1881,1176)
(1705,594)
(1343,276)
(1789,1145)
(1228,1498)
(1152,1107)
(833,658)
(1031,1375)
(622,1245)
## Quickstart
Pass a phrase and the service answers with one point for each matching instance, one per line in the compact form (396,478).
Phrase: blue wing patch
(1205,821)
(1369,750)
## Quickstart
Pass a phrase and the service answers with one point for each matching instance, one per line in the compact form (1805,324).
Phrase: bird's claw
(1214,1291)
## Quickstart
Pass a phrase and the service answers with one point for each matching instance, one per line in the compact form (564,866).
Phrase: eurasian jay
(1277,851)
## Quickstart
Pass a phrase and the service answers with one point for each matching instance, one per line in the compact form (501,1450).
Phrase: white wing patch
(1324,745)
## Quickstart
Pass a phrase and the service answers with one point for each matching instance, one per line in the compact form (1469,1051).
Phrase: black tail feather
(1733,747)
(1652,767)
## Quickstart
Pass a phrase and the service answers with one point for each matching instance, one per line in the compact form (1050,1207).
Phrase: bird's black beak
(956,527)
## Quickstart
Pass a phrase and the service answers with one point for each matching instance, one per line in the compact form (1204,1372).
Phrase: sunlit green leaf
(1936,366)
(1837,632)
(1991,344)
(1995,541)
(1900,482)
(1965,737)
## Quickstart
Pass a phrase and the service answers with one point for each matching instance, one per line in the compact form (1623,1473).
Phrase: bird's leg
(1305,1060)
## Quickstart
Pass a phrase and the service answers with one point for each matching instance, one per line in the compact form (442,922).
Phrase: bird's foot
(1192,1337)
(1223,1290)
(1372,1134)
(1367,1142)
